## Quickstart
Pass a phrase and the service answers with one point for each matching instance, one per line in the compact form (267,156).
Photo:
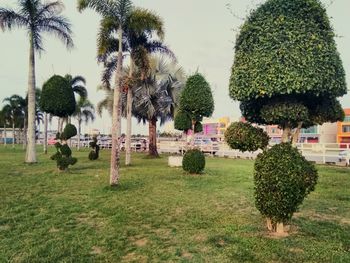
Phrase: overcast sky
(200,33)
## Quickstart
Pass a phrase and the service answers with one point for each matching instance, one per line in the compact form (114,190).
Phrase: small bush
(69,131)
(63,155)
(94,154)
(244,137)
(182,121)
(193,161)
(283,178)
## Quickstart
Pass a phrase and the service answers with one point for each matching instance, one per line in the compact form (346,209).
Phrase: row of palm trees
(15,111)
(148,88)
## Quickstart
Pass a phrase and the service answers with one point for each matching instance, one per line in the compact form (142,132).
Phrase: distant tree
(15,107)
(157,96)
(84,111)
(36,17)
(196,102)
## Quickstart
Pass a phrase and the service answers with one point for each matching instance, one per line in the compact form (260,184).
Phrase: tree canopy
(287,64)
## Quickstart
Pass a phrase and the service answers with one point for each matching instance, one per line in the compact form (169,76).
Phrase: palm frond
(9,18)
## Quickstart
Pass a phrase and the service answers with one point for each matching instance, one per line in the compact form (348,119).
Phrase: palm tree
(36,17)
(157,96)
(138,42)
(5,116)
(119,11)
(85,111)
(15,106)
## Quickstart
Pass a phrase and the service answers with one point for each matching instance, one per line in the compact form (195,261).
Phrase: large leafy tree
(287,70)
(138,40)
(36,18)
(157,96)
(85,111)
(15,106)
(119,11)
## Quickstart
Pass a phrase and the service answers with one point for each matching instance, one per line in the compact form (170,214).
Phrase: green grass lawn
(160,214)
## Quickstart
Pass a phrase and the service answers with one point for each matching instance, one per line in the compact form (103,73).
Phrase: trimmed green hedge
(193,161)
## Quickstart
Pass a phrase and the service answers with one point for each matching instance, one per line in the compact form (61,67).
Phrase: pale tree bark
(13,133)
(128,118)
(79,130)
(5,135)
(193,133)
(286,134)
(25,133)
(296,134)
(45,132)
(152,132)
(116,117)
(31,152)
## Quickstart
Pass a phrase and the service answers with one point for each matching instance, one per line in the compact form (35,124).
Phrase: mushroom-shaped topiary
(57,97)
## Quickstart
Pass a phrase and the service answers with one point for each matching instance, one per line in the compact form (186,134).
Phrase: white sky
(199,32)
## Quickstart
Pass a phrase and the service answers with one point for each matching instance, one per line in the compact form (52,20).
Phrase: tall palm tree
(14,105)
(157,96)
(138,42)
(85,111)
(36,17)
(119,11)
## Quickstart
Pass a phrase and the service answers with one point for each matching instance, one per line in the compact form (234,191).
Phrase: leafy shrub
(193,161)
(182,121)
(283,178)
(198,127)
(63,155)
(57,97)
(94,154)
(245,137)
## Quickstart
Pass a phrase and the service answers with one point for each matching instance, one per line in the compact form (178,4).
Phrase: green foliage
(286,61)
(196,98)
(198,127)
(57,97)
(63,155)
(287,113)
(94,154)
(283,178)
(286,47)
(193,161)
(245,137)
(68,132)
(182,121)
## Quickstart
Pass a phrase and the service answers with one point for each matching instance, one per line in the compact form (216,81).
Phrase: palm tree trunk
(25,133)
(13,133)
(30,152)
(45,132)
(128,118)
(116,120)
(152,128)
(79,131)
(5,135)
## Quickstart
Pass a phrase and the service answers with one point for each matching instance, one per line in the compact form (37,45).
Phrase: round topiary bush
(244,137)
(94,154)
(182,121)
(283,178)
(193,161)
(69,131)
(57,97)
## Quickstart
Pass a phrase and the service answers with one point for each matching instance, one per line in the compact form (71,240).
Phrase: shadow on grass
(124,186)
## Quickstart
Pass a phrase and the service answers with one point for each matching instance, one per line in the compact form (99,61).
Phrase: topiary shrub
(245,137)
(193,161)
(283,178)
(94,154)
(63,155)
(57,97)
(182,121)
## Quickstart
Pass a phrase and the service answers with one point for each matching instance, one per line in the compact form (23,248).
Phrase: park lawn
(160,214)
